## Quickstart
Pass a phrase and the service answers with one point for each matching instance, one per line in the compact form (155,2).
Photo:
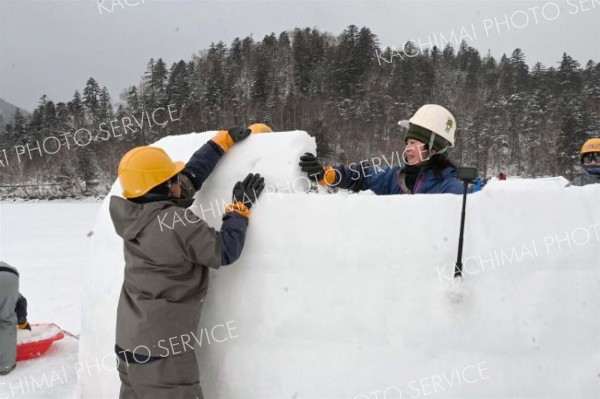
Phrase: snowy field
(48,243)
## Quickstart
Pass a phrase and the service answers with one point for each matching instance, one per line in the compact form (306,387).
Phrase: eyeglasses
(173,180)
(590,157)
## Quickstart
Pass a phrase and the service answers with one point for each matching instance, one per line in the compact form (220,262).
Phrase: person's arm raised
(203,161)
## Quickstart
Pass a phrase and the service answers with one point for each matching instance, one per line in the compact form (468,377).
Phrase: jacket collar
(129,218)
(426,178)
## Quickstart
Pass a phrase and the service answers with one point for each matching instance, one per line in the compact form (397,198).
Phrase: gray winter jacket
(168,252)
(584,178)
(9,294)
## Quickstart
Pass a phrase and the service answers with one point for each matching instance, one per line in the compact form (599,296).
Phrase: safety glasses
(590,157)
(173,180)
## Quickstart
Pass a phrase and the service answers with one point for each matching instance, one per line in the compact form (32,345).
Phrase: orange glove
(226,138)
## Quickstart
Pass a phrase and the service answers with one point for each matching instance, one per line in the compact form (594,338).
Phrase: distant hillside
(7,110)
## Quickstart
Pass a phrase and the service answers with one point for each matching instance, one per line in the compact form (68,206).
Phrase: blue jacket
(390,180)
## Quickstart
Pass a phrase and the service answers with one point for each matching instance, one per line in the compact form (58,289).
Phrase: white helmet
(437,119)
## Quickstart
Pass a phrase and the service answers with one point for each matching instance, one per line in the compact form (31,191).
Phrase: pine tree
(147,92)
(520,70)
(448,56)
(77,110)
(234,65)
(302,60)
(214,79)
(572,117)
(261,80)
(105,111)
(19,124)
(132,100)
(158,82)
(178,89)
(91,94)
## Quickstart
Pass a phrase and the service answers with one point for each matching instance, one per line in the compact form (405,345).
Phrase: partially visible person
(589,157)
(260,128)
(21,311)
(13,315)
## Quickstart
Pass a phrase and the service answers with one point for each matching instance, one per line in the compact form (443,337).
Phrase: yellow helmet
(592,145)
(144,168)
(260,128)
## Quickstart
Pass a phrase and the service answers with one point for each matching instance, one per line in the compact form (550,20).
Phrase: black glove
(247,191)
(310,165)
(239,133)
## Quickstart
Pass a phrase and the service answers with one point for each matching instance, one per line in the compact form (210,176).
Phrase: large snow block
(352,296)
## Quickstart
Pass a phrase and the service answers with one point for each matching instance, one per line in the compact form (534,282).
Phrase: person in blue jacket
(427,169)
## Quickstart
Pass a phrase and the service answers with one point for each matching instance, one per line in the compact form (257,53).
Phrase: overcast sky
(53,47)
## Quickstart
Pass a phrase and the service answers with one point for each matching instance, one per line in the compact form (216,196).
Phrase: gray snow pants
(173,377)
(9,293)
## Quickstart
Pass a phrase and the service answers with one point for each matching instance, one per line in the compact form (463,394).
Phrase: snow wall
(352,296)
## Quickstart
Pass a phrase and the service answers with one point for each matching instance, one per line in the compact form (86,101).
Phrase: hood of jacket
(130,218)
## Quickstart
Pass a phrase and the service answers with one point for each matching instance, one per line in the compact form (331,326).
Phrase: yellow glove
(226,138)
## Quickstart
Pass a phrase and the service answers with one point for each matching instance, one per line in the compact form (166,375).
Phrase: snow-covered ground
(48,243)
(341,296)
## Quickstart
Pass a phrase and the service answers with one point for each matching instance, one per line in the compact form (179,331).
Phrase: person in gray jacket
(13,315)
(590,164)
(168,252)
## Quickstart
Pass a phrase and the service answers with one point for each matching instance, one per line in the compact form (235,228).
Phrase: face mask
(593,170)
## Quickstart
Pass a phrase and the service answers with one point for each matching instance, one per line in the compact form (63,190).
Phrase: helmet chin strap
(432,140)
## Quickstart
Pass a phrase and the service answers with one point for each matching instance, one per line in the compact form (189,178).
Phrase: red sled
(34,343)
